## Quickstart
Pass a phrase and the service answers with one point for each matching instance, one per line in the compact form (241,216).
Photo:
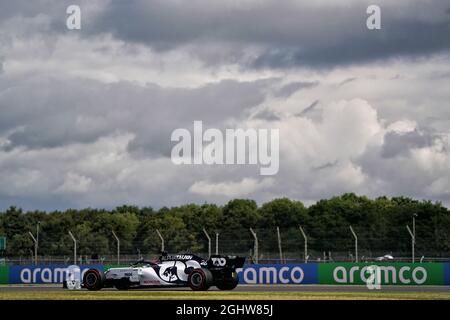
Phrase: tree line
(380,224)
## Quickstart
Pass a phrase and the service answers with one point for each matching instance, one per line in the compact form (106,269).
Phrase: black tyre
(93,279)
(228,283)
(200,279)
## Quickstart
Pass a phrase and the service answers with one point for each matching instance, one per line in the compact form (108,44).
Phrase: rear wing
(219,261)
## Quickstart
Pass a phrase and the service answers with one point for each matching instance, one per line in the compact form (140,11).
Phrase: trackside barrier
(42,274)
(447,274)
(279,274)
(390,273)
(4,274)
(311,273)
(346,273)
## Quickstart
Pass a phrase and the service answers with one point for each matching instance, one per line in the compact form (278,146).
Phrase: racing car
(181,270)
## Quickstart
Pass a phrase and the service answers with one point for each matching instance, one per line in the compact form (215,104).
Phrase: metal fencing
(267,245)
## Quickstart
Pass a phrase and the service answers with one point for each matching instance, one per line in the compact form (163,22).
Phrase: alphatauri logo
(220,262)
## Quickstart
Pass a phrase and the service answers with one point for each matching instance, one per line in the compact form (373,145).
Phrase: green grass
(187,295)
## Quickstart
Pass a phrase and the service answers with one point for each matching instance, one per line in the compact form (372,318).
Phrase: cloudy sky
(86,115)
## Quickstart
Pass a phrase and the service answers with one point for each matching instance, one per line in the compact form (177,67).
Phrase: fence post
(279,245)
(36,242)
(118,246)
(413,240)
(74,247)
(35,246)
(217,243)
(356,243)
(306,243)
(162,240)
(209,242)
(139,253)
(255,251)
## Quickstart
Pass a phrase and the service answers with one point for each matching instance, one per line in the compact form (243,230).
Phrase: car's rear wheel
(228,283)
(93,279)
(200,279)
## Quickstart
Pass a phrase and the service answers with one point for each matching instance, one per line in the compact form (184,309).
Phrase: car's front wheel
(200,279)
(93,279)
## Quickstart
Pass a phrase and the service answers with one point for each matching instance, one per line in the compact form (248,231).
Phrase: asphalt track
(254,288)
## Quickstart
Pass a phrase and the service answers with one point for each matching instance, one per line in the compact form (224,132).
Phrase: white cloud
(402,126)
(74,183)
(231,189)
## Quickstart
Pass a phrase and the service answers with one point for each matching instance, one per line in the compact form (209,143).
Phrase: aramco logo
(386,274)
(272,275)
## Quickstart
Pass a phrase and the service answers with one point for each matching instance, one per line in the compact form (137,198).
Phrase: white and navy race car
(182,270)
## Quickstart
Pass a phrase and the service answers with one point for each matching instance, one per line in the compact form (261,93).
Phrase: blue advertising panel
(42,274)
(447,274)
(305,273)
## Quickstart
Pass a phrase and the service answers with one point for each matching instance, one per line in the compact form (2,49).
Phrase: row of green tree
(380,224)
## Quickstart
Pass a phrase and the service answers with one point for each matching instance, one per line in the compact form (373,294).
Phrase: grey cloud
(82,111)
(213,104)
(399,176)
(348,80)
(362,48)
(267,115)
(24,8)
(400,143)
(290,88)
(53,11)
(290,33)
(391,169)
(313,111)
(286,34)
(40,118)
(309,109)
(326,165)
